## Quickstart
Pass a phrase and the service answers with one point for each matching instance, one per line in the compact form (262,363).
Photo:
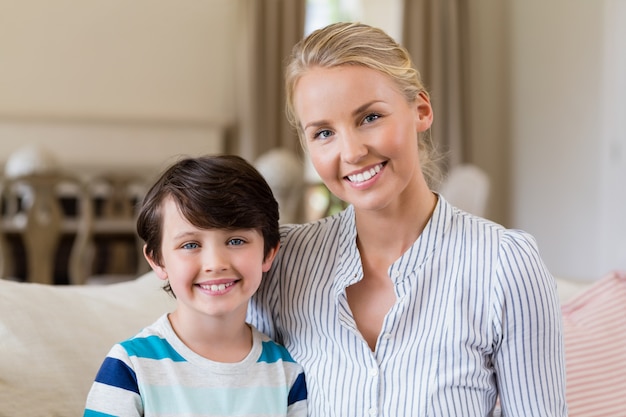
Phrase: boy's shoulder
(271,351)
(151,342)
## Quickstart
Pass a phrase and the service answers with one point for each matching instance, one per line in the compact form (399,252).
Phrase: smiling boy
(210,227)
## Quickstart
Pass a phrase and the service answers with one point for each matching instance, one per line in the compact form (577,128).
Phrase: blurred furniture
(53,339)
(467,187)
(284,172)
(115,251)
(33,221)
(68,230)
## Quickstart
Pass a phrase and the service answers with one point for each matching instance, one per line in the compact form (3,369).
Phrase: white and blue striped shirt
(476,317)
(156,374)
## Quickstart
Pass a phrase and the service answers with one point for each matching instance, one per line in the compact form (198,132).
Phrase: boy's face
(212,272)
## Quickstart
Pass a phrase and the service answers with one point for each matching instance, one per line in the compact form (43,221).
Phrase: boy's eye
(371,117)
(236,242)
(190,245)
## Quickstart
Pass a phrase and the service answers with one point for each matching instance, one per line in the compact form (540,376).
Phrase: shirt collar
(349,268)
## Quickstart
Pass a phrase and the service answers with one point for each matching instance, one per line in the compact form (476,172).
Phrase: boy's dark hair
(211,192)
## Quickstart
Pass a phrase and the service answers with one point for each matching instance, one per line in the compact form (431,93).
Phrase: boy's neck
(214,340)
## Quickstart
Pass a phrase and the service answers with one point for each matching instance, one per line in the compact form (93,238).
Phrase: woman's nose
(353,149)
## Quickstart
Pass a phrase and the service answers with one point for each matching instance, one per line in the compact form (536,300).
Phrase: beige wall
(113,81)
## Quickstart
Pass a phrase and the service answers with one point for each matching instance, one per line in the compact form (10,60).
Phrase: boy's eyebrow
(184,234)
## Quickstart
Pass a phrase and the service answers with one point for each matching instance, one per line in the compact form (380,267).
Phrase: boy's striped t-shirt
(156,374)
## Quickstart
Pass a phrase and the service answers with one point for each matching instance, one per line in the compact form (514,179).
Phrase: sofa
(53,338)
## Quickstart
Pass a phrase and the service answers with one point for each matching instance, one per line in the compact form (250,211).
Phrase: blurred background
(531,92)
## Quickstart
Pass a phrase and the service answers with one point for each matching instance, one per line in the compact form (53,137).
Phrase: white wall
(613,158)
(567,132)
(148,76)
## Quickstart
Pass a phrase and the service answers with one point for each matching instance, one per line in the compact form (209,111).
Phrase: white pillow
(54,338)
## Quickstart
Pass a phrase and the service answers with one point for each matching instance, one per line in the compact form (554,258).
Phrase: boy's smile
(213,272)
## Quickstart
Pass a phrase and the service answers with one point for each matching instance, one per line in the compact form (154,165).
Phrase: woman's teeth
(365,175)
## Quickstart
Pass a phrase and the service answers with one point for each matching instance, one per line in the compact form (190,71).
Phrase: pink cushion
(595,349)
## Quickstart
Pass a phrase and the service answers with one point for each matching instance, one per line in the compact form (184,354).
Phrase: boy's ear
(160,271)
(267,262)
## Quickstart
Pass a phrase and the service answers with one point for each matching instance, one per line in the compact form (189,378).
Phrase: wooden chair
(33,212)
(116,256)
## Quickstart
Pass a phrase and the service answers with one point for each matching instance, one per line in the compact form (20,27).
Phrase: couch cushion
(54,338)
(595,348)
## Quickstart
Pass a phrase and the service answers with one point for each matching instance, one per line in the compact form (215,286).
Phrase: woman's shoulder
(314,229)
(463,220)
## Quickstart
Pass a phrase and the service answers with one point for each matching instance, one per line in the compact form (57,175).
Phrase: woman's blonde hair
(359,44)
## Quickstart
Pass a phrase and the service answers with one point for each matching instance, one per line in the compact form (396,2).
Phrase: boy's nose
(214,260)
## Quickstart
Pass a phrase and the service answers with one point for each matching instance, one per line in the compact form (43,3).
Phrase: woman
(401,305)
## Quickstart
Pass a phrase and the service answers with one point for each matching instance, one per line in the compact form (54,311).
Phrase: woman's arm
(529,356)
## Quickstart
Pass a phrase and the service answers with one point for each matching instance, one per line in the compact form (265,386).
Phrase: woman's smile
(365,175)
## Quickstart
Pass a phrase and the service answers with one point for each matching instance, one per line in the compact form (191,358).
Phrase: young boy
(210,227)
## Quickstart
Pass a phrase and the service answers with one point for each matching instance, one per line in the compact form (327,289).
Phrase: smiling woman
(401,281)
(318,201)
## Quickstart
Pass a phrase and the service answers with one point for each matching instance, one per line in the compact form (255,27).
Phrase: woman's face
(362,134)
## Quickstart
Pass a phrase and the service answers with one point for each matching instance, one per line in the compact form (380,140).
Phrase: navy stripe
(298,390)
(116,373)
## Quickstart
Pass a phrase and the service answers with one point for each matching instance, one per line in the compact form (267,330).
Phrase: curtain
(269,30)
(436,34)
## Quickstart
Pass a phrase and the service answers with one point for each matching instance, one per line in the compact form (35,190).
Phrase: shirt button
(387,336)
(396,274)
(373,372)
(373,411)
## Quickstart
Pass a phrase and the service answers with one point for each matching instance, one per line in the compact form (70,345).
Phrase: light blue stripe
(273,353)
(151,347)
(92,413)
(160,400)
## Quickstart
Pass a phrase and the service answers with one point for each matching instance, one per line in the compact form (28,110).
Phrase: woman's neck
(391,231)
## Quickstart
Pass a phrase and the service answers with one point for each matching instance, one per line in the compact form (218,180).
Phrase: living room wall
(115,82)
(568,60)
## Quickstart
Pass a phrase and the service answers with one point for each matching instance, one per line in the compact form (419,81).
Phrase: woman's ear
(267,262)
(156,267)
(424,112)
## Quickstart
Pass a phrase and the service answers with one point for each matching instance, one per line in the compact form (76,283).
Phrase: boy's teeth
(216,287)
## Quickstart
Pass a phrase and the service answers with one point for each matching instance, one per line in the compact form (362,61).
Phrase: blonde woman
(401,305)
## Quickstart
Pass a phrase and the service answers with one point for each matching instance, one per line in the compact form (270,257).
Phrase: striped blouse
(477,317)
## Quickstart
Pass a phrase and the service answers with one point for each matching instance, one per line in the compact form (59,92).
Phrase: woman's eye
(371,117)
(236,242)
(322,134)
(190,245)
